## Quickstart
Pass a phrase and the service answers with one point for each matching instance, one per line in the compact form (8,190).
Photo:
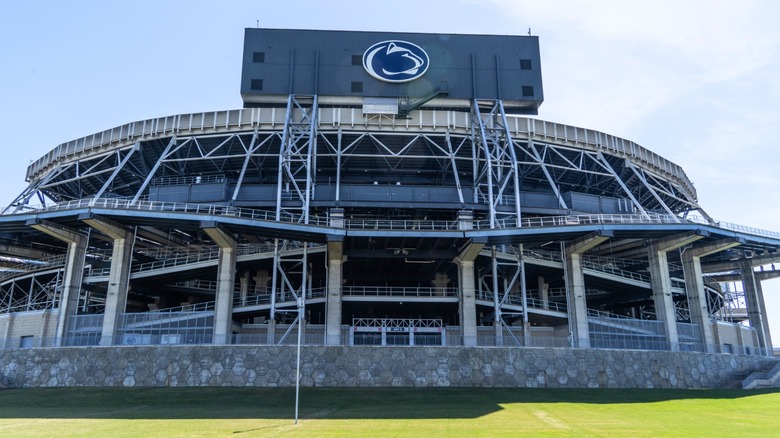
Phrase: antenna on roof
(258,24)
(529,31)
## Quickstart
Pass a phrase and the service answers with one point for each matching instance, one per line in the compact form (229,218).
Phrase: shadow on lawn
(325,403)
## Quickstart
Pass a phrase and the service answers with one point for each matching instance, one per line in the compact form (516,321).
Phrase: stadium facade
(376,189)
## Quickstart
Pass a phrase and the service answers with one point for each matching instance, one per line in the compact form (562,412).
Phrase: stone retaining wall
(370,366)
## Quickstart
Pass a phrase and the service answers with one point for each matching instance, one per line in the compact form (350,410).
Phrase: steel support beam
(622,184)
(116,171)
(157,164)
(250,150)
(642,178)
(550,180)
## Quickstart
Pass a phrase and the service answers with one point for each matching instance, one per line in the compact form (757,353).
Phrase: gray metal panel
(322,60)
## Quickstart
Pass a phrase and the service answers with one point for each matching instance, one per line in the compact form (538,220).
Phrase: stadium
(377,190)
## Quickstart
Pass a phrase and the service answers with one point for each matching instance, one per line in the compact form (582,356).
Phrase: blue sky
(695,81)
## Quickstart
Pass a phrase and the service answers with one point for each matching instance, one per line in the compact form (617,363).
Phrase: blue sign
(395,61)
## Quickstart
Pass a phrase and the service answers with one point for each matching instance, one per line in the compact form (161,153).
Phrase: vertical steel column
(497,321)
(524,298)
(271,339)
(338,167)
(295,174)
(513,155)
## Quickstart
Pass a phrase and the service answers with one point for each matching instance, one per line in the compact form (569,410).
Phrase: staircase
(767,378)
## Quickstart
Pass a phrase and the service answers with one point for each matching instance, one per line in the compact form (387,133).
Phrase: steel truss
(297,158)
(282,282)
(507,281)
(495,164)
(505,163)
(37,291)
(91,177)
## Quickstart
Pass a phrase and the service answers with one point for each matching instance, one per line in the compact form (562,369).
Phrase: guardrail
(517,300)
(736,227)
(406,292)
(388,224)
(29,266)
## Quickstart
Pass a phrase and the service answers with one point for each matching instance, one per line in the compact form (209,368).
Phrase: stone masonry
(370,366)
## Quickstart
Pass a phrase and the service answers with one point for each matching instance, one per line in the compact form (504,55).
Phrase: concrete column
(439,283)
(697,300)
(661,283)
(694,287)
(44,332)
(333,305)
(661,286)
(756,309)
(243,287)
(261,282)
(577,304)
(74,271)
(544,292)
(119,274)
(575,286)
(465,220)
(8,327)
(226,270)
(467,305)
(271,334)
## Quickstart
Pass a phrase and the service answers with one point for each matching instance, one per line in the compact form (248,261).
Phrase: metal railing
(612,270)
(404,225)
(29,266)
(516,300)
(396,322)
(407,292)
(735,227)
(389,224)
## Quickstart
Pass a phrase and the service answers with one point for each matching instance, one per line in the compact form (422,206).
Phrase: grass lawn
(338,412)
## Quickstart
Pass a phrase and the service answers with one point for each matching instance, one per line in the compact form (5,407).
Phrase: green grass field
(364,412)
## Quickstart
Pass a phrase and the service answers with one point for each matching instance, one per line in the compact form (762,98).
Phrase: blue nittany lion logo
(395,61)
